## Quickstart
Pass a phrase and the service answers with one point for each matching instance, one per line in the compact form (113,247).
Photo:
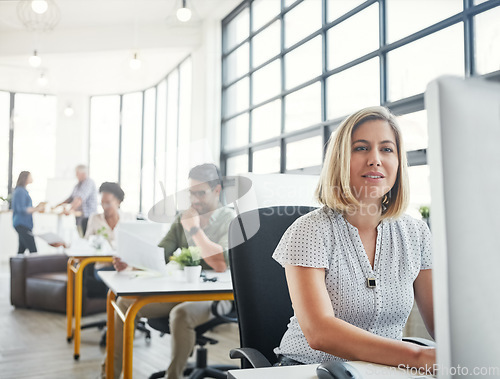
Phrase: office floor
(33,344)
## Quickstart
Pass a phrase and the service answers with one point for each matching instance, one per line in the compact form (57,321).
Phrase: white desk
(283,372)
(151,289)
(364,369)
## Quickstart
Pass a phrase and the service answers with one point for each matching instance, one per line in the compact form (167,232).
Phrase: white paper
(51,238)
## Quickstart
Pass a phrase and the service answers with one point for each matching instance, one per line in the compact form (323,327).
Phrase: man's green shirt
(216,231)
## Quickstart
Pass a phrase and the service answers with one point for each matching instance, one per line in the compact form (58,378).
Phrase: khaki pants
(184,318)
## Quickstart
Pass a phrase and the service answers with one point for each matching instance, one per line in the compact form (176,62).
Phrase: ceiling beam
(98,39)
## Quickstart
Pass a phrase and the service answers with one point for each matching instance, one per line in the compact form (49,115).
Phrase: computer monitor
(464,160)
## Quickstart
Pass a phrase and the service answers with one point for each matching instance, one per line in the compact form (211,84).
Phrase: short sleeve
(21,202)
(305,243)
(425,247)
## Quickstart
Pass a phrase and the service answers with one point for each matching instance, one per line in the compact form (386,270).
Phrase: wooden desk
(76,263)
(151,289)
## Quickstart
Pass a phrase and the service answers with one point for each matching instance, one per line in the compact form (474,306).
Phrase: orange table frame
(129,322)
(74,291)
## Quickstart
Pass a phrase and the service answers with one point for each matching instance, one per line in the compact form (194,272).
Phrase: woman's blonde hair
(334,188)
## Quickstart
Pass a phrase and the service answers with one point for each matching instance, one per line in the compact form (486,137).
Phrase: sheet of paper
(51,238)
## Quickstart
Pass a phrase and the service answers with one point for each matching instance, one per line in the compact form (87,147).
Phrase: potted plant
(100,237)
(189,258)
(425,211)
(5,206)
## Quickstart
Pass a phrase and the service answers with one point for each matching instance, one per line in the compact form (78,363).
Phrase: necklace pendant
(371,282)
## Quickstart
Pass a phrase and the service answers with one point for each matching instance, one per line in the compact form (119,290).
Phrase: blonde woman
(355,265)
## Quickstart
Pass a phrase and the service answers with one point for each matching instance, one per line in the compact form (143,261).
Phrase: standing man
(83,199)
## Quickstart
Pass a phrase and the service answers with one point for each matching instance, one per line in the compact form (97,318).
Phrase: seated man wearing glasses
(205,224)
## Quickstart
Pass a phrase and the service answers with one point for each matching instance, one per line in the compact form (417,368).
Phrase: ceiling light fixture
(42,80)
(69,111)
(38,15)
(135,63)
(39,6)
(184,13)
(35,60)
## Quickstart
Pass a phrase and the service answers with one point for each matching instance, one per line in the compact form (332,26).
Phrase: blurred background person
(104,225)
(83,199)
(22,208)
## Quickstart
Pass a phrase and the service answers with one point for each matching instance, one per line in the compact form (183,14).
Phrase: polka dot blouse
(324,239)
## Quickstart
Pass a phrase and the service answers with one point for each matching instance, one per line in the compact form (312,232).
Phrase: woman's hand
(119,264)
(40,207)
(427,360)
(58,244)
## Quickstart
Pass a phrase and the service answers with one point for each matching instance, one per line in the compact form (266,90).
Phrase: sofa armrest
(18,281)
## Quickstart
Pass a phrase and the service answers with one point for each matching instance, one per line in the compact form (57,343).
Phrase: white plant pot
(4,206)
(192,273)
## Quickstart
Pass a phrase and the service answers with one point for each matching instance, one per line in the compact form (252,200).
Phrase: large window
(27,141)
(34,144)
(104,138)
(134,139)
(4,142)
(293,70)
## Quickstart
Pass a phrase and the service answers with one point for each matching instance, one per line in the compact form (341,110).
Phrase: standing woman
(23,209)
(354,266)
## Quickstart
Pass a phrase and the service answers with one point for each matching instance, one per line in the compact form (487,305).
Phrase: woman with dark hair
(111,197)
(23,210)
(104,224)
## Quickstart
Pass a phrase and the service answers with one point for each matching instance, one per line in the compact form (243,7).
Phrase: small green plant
(425,211)
(102,232)
(190,256)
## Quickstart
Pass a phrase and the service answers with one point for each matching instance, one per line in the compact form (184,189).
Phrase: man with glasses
(205,224)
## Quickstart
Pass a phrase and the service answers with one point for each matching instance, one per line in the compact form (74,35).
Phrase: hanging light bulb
(69,111)
(35,60)
(39,6)
(184,13)
(42,80)
(135,63)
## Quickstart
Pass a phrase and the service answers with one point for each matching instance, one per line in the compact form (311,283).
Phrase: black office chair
(200,369)
(259,284)
(260,290)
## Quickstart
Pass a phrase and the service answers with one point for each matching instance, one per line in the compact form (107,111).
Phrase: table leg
(78,307)
(110,335)
(128,337)
(69,300)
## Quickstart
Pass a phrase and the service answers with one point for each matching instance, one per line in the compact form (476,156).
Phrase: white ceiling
(89,50)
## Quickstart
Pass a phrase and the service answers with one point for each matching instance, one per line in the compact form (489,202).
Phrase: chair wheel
(76,357)
(69,339)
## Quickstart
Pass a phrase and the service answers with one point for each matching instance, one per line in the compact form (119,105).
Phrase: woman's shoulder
(315,220)
(19,192)
(410,223)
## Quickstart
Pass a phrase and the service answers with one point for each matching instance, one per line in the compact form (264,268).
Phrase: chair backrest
(260,289)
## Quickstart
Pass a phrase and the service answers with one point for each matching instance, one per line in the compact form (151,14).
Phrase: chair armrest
(420,341)
(255,357)
(228,317)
